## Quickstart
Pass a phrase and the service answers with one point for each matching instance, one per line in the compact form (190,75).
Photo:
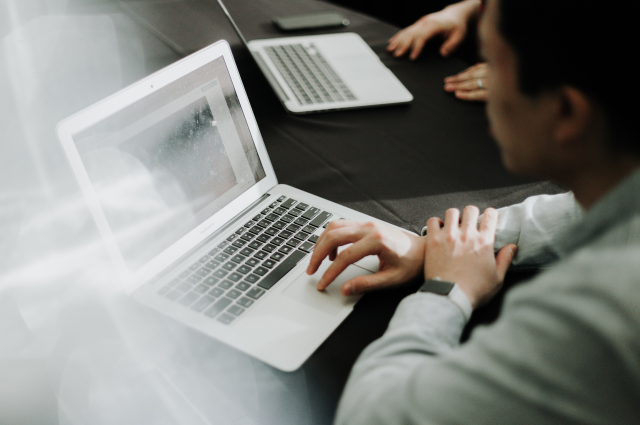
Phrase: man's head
(556,102)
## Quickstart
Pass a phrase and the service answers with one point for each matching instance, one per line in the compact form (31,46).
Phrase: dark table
(401,164)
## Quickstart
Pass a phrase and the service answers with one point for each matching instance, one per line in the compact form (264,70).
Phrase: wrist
(452,291)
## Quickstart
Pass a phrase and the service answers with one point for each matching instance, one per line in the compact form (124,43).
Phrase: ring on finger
(480,85)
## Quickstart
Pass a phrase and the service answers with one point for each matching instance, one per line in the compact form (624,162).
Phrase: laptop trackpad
(329,301)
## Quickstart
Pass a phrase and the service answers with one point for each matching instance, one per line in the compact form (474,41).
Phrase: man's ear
(575,117)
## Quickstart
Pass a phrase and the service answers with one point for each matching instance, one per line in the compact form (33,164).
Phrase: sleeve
(534,225)
(543,362)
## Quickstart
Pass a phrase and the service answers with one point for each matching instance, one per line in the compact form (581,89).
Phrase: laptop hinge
(180,262)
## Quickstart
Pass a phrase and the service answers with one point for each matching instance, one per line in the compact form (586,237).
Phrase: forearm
(534,225)
(378,391)
(470,9)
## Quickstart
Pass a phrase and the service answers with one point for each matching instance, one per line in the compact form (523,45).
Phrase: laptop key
(263,238)
(282,198)
(229,266)
(271,231)
(269,248)
(239,243)
(216,292)
(242,286)
(226,318)
(310,213)
(185,274)
(204,259)
(264,223)
(212,264)
(285,249)
(279,225)
(201,289)
(294,212)
(257,218)
(250,223)
(235,310)
(234,293)
(320,218)
(314,238)
(241,231)
(211,281)
(307,246)
(223,244)
(308,229)
(256,244)
(202,303)
(244,302)
(287,218)
(214,251)
(194,267)
(256,230)
(246,251)
(272,217)
(188,299)
(174,295)
(277,241)
(302,206)
(252,278)
(255,293)
(194,278)
(277,256)
(265,211)
(225,284)
(286,234)
(238,258)
(260,255)
(220,273)
(164,290)
(292,242)
(218,306)
(268,263)
(232,237)
(283,268)
(230,250)
(235,276)
(261,271)
(174,282)
(203,272)
(244,269)
(273,205)
(222,257)
(301,235)
(183,287)
(247,236)
(301,221)
(289,203)
(293,228)
(279,211)
(252,262)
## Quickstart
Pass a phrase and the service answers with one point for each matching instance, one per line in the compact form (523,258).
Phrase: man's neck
(590,186)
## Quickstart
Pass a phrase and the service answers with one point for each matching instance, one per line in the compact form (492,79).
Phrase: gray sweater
(566,348)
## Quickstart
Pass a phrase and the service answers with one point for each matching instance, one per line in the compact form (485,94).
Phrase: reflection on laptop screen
(163,165)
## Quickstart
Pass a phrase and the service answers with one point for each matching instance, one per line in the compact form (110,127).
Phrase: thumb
(452,43)
(369,282)
(504,258)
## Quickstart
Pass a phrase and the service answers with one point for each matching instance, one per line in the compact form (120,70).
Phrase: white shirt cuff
(459,298)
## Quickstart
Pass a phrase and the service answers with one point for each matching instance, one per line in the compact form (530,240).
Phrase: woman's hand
(469,84)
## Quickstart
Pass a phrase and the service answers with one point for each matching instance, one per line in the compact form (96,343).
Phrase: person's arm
(553,357)
(534,225)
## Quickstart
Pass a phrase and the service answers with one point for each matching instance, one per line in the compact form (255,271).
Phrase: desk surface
(98,351)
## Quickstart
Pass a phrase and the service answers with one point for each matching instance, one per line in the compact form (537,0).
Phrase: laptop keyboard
(225,283)
(308,74)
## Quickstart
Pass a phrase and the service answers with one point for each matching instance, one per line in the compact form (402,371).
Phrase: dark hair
(585,44)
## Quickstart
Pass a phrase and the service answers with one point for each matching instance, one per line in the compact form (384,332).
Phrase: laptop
(324,72)
(179,182)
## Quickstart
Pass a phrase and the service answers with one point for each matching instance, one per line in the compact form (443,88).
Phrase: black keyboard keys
(219,305)
(320,218)
(289,203)
(283,268)
(310,213)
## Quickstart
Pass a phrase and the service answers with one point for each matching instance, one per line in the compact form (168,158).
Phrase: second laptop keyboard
(308,74)
(227,281)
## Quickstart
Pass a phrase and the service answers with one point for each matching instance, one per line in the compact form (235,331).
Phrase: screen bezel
(134,93)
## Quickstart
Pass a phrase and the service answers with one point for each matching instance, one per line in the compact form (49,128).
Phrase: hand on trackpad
(330,301)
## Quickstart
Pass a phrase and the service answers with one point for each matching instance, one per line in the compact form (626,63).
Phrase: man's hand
(461,252)
(401,255)
(450,23)
(469,84)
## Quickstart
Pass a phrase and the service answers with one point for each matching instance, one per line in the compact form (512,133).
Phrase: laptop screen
(163,165)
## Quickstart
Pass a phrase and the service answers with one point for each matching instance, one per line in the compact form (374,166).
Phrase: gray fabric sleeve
(534,225)
(545,362)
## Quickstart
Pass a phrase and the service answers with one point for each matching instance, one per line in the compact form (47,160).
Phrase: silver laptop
(179,182)
(324,72)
